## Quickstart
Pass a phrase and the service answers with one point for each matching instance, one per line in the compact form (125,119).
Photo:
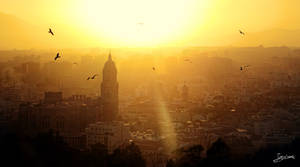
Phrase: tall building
(67,116)
(185,93)
(109,90)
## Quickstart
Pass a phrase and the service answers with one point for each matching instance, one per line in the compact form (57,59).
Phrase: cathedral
(109,90)
(109,132)
(74,118)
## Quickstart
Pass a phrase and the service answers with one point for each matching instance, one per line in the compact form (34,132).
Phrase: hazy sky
(156,22)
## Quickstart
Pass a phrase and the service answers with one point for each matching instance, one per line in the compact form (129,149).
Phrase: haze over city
(101,23)
(140,83)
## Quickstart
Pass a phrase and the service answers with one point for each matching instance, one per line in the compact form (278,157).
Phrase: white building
(111,134)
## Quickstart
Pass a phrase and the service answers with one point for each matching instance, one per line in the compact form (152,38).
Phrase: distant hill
(16,33)
(274,37)
(19,34)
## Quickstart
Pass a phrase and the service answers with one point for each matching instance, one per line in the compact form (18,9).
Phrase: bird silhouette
(57,56)
(51,32)
(153,68)
(241,32)
(94,76)
(244,67)
(75,63)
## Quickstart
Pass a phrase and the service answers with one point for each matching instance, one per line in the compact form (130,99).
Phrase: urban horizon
(161,83)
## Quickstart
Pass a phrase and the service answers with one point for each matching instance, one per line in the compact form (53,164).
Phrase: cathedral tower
(109,90)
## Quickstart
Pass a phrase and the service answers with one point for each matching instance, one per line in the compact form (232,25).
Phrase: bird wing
(50,31)
(57,56)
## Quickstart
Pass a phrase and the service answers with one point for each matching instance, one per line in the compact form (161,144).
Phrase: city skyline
(149,83)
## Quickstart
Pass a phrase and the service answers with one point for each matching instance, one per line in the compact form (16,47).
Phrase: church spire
(109,56)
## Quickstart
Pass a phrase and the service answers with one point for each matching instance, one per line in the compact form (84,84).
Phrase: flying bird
(244,67)
(153,68)
(241,32)
(57,56)
(51,32)
(75,63)
(94,76)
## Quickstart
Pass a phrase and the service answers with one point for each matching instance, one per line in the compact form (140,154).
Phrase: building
(66,116)
(109,90)
(77,119)
(108,132)
(153,152)
(277,137)
(53,97)
(75,140)
(111,134)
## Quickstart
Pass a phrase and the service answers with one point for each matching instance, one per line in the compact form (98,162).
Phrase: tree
(127,156)
(218,154)
(190,157)
(170,163)
(98,155)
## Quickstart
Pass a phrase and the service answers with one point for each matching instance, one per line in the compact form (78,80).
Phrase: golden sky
(136,23)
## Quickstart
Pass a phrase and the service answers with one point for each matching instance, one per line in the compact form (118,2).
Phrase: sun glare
(137,22)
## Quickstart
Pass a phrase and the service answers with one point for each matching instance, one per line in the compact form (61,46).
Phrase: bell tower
(109,90)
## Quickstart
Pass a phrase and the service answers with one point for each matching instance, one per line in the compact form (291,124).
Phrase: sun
(137,22)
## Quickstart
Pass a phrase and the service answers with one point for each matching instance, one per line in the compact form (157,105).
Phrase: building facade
(109,91)
(111,134)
